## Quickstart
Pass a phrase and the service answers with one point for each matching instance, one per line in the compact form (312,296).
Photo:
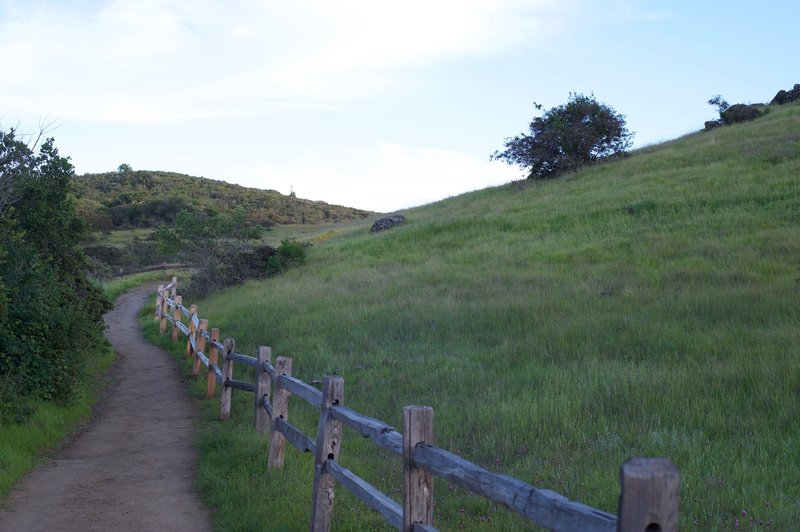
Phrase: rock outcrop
(742,112)
(784,97)
(388,223)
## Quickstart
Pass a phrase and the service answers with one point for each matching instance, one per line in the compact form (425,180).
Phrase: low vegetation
(51,330)
(130,198)
(645,307)
(143,218)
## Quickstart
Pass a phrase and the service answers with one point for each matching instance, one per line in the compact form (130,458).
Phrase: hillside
(644,307)
(136,199)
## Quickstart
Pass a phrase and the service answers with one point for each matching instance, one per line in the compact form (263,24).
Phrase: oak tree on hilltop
(567,137)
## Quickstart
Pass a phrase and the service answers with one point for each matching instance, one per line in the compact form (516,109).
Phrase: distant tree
(567,137)
(124,169)
(718,102)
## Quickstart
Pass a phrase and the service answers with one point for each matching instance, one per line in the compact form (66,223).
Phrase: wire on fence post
(227,374)
(417,483)
(280,410)
(213,356)
(329,445)
(261,420)
(649,497)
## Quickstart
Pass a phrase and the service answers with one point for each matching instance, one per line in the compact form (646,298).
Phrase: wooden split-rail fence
(650,487)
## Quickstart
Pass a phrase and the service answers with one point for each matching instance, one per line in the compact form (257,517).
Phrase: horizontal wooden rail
(543,507)
(244,359)
(649,487)
(270,370)
(295,436)
(240,385)
(304,391)
(380,433)
(368,494)
(184,329)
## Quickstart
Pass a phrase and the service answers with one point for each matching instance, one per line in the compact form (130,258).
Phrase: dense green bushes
(50,314)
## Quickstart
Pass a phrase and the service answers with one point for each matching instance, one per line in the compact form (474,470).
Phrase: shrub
(50,314)
(290,253)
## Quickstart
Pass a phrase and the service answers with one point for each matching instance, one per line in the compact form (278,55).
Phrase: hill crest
(145,198)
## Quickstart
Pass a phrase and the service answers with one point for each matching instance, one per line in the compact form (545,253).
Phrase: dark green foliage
(49,312)
(719,102)
(127,212)
(290,253)
(106,262)
(567,137)
(231,264)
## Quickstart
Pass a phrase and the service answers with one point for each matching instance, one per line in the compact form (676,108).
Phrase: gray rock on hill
(742,112)
(784,97)
(388,223)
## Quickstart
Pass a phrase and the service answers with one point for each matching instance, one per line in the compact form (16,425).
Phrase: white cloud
(381,177)
(164,60)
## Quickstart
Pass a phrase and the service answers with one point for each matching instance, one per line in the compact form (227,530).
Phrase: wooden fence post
(174,290)
(200,342)
(159,295)
(227,374)
(417,483)
(213,356)
(263,384)
(162,326)
(192,330)
(329,444)
(280,410)
(649,497)
(176,314)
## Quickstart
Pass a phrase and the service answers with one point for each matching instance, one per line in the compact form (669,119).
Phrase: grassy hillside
(644,307)
(123,200)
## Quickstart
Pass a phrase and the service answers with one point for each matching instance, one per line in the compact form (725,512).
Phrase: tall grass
(645,307)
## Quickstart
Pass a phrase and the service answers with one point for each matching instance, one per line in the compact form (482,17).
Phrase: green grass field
(644,307)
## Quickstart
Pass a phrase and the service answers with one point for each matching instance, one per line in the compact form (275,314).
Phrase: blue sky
(363,103)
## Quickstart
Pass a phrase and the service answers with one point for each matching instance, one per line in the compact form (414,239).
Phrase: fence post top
(640,467)
(417,408)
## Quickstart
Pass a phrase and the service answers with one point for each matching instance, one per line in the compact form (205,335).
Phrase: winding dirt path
(132,467)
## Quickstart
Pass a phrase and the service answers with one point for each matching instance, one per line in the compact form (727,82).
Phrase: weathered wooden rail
(649,491)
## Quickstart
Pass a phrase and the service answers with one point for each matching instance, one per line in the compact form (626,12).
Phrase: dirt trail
(133,466)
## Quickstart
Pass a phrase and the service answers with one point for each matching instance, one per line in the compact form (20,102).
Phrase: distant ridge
(145,198)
